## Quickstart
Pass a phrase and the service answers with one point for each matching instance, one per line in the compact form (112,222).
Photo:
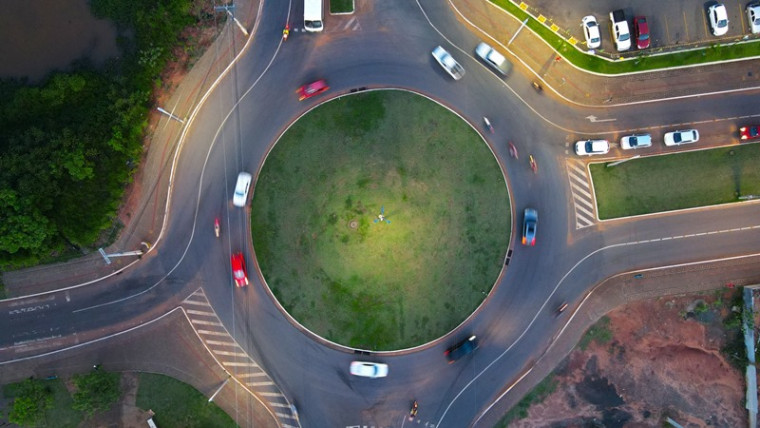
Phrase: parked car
(677,138)
(239,273)
(592,147)
(367,369)
(312,89)
(493,58)
(530,224)
(620,32)
(448,63)
(751,132)
(641,32)
(591,32)
(718,18)
(635,141)
(461,349)
(753,15)
(240,197)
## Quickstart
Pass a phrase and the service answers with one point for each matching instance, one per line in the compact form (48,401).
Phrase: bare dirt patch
(664,360)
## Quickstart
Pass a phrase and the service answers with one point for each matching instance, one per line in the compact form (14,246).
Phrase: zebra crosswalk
(235,360)
(583,195)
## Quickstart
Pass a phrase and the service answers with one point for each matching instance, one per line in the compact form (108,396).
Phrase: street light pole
(623,160)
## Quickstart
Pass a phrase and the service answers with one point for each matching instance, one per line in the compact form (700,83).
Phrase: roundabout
(380,220)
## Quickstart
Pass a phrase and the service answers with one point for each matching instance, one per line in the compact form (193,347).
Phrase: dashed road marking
(235,360)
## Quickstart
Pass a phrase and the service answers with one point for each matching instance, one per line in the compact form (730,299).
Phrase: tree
(96,391)
(32,398)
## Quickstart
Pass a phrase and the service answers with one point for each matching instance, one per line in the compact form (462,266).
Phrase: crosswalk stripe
(213,333)
(204,313)
(203,322)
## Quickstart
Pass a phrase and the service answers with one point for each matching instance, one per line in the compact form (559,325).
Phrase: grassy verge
(677,181)
(341,6)
(599,333)
(60,414)
(178,404)
(537,395)
(380,284)
(639,62)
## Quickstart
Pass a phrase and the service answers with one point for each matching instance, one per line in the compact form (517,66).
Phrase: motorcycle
(537,86)
(533,164)
(286,32)
(413,412)
(513,150)
(216,226)
(561,308)
(488,124)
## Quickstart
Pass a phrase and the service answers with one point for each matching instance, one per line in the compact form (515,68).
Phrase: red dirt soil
(664,360)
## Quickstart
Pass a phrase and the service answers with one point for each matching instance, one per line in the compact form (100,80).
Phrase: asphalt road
(254,105)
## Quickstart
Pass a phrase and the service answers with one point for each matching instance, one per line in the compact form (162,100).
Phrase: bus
(312,15)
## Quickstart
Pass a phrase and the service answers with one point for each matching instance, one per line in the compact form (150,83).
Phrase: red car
(312,89)
(641,32)
(751,132)
(238,270)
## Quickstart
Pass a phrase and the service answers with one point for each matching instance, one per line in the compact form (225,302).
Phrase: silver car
(493,58)
(676,138)
(635,141)
(448,63)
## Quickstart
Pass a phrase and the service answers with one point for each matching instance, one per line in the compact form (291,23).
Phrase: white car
(592,147)
(367,369)
(493,58)
(240,196)
(591,32)
(718,19)
(677,138)
(635,141)
(448,63)
(620,32)
(753,15)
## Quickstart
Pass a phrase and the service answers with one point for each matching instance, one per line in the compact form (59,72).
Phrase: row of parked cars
(673,138)
(621,35)
(635,141)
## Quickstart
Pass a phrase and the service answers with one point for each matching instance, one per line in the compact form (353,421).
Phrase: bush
(96,391)
(599,333)
(31,399)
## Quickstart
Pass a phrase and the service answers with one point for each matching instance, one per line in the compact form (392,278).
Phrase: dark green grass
(177,404)
(642,61)
(378,285)
(341,6)
(683,180)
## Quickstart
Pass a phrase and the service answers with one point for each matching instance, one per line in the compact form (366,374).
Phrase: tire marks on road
(583,196)
(234,359)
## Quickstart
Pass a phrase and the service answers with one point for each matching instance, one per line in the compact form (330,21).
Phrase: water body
(39,36)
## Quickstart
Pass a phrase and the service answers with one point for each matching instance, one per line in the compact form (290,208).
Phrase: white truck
(312,15)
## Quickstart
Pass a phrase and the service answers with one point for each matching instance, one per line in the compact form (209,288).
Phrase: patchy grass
(374,284)
(599,333)
(520,411)
(701,178)
(177,404)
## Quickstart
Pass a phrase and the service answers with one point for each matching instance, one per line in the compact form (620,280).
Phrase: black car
(461,349)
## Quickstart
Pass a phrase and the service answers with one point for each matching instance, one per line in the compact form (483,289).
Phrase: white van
(312,15)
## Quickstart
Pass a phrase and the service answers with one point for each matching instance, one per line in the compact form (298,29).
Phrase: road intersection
(251,106)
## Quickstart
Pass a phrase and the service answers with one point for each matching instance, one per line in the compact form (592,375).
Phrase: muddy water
(39,36)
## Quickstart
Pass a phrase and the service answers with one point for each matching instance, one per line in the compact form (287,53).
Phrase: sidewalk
(540,62)
(143,212)
(615,292)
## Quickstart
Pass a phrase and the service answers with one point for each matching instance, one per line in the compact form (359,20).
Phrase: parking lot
(671,23)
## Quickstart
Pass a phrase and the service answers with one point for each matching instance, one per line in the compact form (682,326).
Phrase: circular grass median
(365,281)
